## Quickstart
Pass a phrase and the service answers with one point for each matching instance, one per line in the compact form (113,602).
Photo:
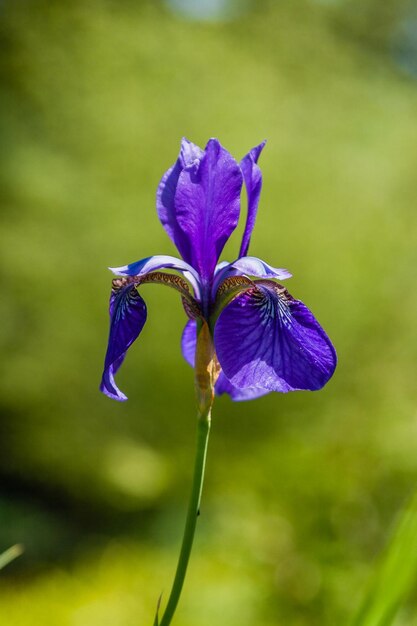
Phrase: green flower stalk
(205,377)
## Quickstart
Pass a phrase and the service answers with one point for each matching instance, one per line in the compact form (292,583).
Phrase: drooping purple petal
(188,345)
(238,395)
(159,261)
(189,342)
(165,197)
(207,205)
(270,341)
(252,176)
(249,266)
(127,318)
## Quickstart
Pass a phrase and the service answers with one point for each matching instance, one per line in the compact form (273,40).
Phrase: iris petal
(165,197)
(207,205)
(190,153)
(252,266)
(159,261)
(127,318)
(189,342)
(268,340)
(252,176)
(188,345)
(238,395)
(249,266)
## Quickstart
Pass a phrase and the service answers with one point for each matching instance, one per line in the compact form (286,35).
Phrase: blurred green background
(302,489)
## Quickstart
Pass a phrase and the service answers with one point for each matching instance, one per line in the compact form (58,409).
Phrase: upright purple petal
(207,205)
(252,176)
(165,197)
(190,153)
(267,340)
(127,318)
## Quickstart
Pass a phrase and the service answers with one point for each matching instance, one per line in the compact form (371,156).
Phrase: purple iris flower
(264,339)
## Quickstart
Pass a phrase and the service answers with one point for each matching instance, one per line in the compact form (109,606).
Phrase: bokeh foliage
(303,489)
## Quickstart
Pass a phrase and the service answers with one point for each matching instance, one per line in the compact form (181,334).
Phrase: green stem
(193,512)
(10,554)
